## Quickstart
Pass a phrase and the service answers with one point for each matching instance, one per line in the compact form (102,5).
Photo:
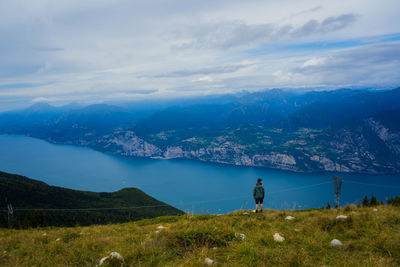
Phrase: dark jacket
(258,191)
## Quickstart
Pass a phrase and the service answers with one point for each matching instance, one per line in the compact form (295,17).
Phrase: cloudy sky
(91,51)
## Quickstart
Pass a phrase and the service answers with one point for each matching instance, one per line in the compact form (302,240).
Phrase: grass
(370,238)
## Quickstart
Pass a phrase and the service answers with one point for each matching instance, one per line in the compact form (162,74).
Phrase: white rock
(341,217)
(116,255)
(58,239)
(245,213)
(241,236)
(289,218)
(103,260)
(278,237)
(113,255)
(5,252)
(336,242)
(375,209)
(161,227)
(157,232)
(208,261)
(254,211)
(44,234)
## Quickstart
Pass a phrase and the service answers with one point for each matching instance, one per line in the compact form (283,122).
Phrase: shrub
(394,201)
(350,207)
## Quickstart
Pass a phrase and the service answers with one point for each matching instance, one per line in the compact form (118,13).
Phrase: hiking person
(258,194)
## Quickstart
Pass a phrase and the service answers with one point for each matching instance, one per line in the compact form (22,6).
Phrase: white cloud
(43,99)
(110,49)
(370,65)
(315,61)
(203,79)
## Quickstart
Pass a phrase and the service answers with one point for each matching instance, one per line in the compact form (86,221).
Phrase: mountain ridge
(343,131)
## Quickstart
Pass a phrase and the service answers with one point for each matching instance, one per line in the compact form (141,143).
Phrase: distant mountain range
(341,130)
(35,198)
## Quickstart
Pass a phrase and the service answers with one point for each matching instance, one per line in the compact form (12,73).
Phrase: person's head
(259,181)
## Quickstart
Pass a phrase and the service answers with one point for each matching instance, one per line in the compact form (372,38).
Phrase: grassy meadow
(370,238)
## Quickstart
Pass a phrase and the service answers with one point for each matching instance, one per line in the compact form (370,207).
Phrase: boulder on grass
(336,243)
(208,261)
(114,256)
(341,217)
(278,238)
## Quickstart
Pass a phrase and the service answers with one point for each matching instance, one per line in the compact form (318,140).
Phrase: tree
(394,201)
(365,202)
(328,206)
(373,201)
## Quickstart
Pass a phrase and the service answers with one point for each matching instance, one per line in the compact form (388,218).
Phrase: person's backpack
(259,191)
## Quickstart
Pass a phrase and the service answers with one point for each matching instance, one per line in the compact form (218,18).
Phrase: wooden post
(10,213)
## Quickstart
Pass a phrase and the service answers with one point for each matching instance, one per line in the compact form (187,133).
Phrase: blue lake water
(191,186)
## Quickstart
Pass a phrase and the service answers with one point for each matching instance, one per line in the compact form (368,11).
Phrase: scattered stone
(341,217)
(375,209)
(208,261)
(58,239)
(254,211)
(289,218)
(44,234)
(336,243)
(161,227)
(157,232)
(116,255)
(113,255)
(296,230)
(5,252)
(278,237)
(102,260)
(241,236)
(245,213)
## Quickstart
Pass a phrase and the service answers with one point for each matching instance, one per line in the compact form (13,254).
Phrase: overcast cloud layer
(91,51)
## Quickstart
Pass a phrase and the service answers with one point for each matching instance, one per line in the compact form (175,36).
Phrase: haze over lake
(188,185)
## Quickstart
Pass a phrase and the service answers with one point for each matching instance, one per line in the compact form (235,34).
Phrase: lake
(188,185)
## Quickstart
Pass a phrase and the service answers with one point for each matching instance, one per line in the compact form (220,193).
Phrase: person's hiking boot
(260,211)
(256,211)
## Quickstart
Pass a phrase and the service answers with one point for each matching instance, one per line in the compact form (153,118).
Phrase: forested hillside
(37,204)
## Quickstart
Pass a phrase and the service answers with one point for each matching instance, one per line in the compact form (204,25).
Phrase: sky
(93,51)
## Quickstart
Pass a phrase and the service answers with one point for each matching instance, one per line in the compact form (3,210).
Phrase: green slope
(370,237)
(35,196)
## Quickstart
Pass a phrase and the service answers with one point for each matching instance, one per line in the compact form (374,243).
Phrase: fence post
(10,212)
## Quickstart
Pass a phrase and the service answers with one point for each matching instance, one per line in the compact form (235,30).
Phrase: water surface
(188,185)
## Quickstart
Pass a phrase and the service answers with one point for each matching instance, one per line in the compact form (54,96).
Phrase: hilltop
(370,237)
(32,199)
